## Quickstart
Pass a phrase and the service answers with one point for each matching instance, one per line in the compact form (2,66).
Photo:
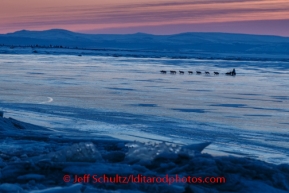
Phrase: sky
(269,17)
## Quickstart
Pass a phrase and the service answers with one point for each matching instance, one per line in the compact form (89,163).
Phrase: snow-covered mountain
(195,42)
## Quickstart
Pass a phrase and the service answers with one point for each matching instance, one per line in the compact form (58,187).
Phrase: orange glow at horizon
(89,15)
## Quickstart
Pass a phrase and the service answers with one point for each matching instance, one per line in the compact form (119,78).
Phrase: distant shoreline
(190,45)
(44,50)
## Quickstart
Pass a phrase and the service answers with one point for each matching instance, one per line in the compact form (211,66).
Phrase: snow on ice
(48,135)
(38,166)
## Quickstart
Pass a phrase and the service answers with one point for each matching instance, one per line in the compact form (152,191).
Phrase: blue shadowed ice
(92,108)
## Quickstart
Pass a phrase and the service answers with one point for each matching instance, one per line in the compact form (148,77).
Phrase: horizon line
(89,33)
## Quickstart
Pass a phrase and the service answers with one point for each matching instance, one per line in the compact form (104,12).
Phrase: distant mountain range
(192,42)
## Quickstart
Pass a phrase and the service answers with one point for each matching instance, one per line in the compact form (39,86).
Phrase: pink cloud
(146,15)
